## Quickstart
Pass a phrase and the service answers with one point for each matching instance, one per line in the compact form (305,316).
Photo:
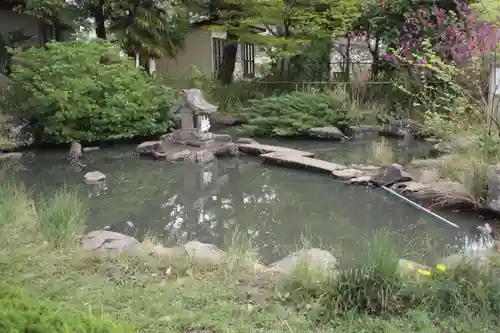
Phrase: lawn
(48,285)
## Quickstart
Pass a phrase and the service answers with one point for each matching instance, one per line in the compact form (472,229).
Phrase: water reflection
(276,207)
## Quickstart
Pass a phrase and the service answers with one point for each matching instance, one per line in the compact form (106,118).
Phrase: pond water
(277,207)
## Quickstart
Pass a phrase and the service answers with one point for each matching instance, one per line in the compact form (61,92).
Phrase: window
(248,59)
(218,50)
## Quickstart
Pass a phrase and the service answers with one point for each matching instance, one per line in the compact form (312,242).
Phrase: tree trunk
(100,20)
(225,75)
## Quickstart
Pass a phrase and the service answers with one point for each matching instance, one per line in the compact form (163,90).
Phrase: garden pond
(278,208)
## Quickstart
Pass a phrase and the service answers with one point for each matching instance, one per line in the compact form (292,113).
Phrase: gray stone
(205,254)
(347,174)
(94,177)
(11,156)
(153,149)
(363,131)
(166,136)
(409,267)
(329,132)
(441,194)
(493,195)
(227,150)
(109,243)
(222,137)
(247,141)
(400,127)
(390,174)
(363,180)
(316,259)
(179,156)
(90,149)
(201,157)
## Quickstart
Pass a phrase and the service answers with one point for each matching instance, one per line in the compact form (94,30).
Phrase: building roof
(204,22)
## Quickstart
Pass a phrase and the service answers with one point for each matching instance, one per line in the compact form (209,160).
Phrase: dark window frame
(217,52)
(248,60)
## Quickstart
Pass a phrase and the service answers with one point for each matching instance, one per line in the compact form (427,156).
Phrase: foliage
(294,113)
(22,312)
(152,30)
(450,98)
(87,91)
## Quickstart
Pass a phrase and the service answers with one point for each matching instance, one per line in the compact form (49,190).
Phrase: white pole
(414,204)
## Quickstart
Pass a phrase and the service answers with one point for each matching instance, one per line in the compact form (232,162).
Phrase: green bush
(22,313)
(87,91)
(294,113)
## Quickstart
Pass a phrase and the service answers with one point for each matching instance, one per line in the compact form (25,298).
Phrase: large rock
(247,141)
(390,174)
(400,127)
(222,137)
(109,243)
(316,259)
(200,157)
(347,174)
(204,254)
(179,156)
(441,194)
(363,131)
(153,149)
(94,177)
(329,132)
(227,150)
(11,156)
(493,195)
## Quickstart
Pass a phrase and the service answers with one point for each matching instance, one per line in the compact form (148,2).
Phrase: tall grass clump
(62,217)
(381,153)
(17,214)
(370,283)
(470,170)
(464,289)
(242,251)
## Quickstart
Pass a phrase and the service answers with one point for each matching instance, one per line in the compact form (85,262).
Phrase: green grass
(62,218)
(152,294)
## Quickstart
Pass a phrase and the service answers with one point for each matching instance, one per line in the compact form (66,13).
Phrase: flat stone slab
(296,160)
(259,149)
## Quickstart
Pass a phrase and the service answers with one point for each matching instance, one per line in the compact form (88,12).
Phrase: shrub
(87,91)
(294,113)
(24,313)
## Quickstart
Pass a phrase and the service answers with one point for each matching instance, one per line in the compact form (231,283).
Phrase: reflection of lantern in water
(207,177)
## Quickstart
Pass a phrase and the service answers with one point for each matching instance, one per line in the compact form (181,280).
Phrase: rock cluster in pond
(426,188)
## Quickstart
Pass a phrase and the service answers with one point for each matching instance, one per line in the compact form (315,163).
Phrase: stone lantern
(193,112)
